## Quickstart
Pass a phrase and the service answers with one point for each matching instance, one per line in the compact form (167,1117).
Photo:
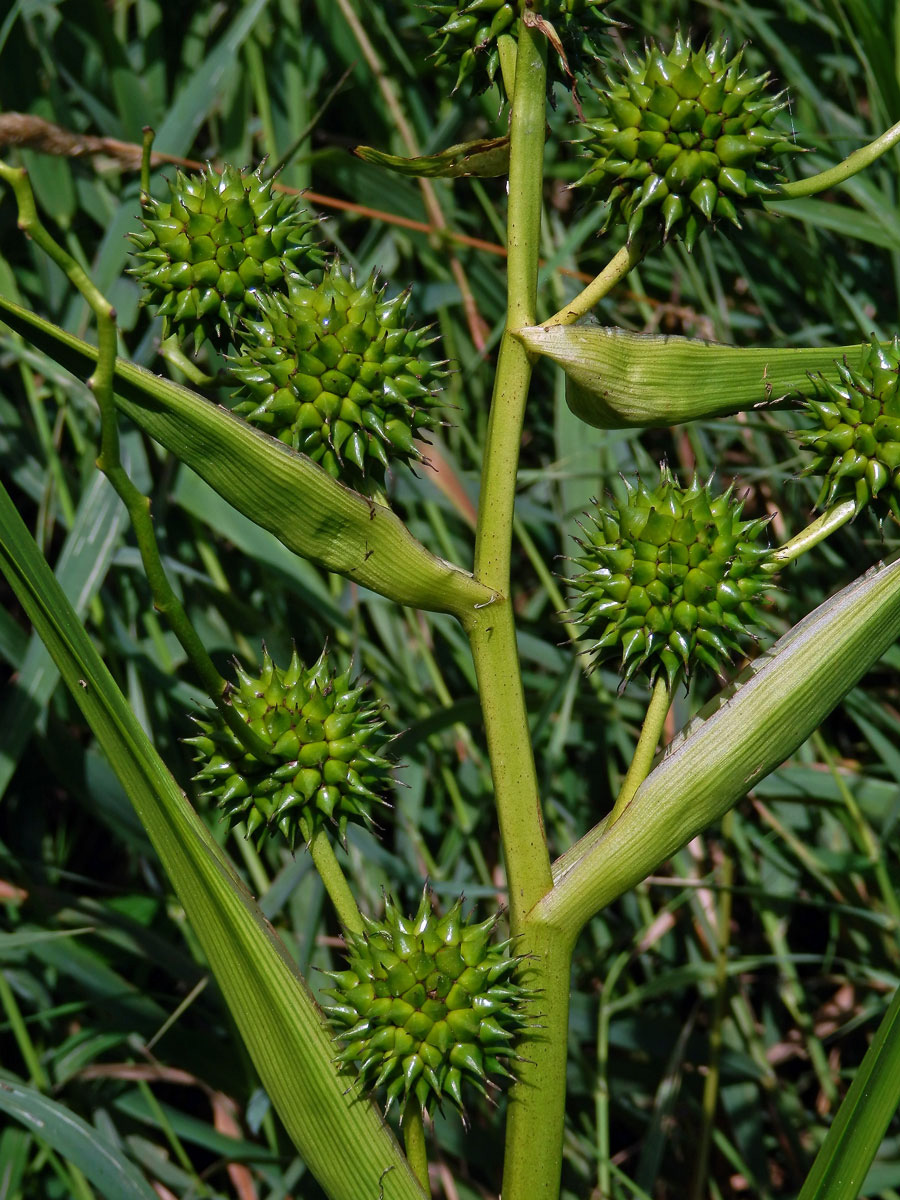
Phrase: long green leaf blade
(106,1167)
(852,1142)
(284,492)
(340,1135)
(81,568)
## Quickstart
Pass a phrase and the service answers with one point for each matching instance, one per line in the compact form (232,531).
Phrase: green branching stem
(414,1143)
(852,165)
(614,272)
(491,629)
(817,531)
(339,893)
(171,351)
(534,1135)
(110,463)
(645,751)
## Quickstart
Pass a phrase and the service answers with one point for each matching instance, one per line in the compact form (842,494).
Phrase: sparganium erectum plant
(298,391)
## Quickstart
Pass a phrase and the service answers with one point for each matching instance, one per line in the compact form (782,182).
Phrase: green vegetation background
(769,948)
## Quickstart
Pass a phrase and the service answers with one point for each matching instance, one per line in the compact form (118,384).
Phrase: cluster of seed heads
(671,577)
(428,1006)
(214,245)
(686,139)
(857,433)
(470,31)
(322,770)
(330,368)
(335,373)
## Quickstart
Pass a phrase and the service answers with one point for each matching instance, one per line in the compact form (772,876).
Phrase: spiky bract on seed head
(671,578)
(857,432)
(334,372)
(685,141)
(428,1005)
(469,32)
(322,772)
(218,241)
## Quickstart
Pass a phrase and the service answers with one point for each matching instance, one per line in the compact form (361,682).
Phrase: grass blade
(114,1175)
(340,1135)
(856,1132)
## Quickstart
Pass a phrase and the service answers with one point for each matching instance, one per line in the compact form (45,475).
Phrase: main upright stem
(534,1134)
(492,630)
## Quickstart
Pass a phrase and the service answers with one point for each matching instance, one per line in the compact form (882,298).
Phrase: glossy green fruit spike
(214,244)
(323,770)
(334,372)
(857,432)
(427,1006)
(469,32)
(686,140)
(671,579)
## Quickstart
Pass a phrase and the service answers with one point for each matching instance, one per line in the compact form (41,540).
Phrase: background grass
(764,954)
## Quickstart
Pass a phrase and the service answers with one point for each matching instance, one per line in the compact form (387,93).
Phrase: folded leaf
(340,1135)
(284,492)
(750,729)
(621,380)
(484,157)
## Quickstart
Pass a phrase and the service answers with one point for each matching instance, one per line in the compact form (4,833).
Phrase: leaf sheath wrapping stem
(284,492)
(735,741)
(621,380)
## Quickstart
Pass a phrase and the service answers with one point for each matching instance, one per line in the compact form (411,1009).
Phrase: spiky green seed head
(686,140)
(857,432)
(671,578)
(469,32)
(214,244)
(323,770)
(334,372)
(428,1005)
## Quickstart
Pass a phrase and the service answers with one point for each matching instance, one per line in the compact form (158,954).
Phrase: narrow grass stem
(865,838)
(817,531)
(414,1142)
(426,186)
(710,1100)
(602,1093)
(645,751)
(110,463)
(146,158)
(615,270)
(851,165)
(8,1003)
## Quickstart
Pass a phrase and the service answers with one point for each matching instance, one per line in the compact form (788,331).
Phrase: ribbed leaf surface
(280,490)
(620,380)
(750,729)
(341,1136)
